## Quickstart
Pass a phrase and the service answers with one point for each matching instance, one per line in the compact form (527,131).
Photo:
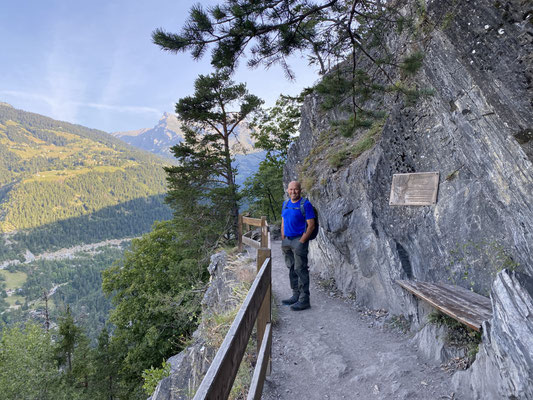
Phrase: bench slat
(461,304)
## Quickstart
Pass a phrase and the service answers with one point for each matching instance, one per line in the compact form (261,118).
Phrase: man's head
(294,190)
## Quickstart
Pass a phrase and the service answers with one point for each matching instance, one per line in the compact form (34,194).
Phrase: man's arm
(308,231)
(282,230)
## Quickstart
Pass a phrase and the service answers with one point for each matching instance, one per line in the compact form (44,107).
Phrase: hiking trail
(336,350)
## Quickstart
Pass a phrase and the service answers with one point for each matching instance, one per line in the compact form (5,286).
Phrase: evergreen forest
(63,184)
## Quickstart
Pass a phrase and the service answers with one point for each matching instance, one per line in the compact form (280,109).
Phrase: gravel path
(332,351)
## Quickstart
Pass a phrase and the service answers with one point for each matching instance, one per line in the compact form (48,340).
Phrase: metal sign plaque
(416,189)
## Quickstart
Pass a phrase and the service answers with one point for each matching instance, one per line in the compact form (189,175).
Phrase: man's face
(294,191)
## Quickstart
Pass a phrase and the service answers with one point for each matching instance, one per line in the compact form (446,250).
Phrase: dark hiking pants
(296,260)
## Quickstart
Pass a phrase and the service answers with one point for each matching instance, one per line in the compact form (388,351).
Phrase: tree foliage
(346,39)
(275,129)
(156,289)
(27,366)
(69,336)
(106,367)
(202,189)
(272,30)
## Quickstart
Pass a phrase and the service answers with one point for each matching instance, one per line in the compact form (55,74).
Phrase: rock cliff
(503,366)
(475,129)
(230,279)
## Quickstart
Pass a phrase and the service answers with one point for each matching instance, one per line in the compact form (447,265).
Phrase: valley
(71,200)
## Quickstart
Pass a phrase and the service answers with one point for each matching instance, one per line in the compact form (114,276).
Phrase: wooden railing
(247,221)
(218,381)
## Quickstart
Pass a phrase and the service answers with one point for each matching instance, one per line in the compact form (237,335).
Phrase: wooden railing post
(264,316)
(264,232)
(240,234)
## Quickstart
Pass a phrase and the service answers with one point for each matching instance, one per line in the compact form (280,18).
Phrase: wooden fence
(218,381)
(243,238)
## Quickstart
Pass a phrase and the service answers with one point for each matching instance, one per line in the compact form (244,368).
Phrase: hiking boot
(299,306)
(292,300)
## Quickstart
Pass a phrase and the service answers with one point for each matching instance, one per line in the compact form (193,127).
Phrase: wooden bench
(461,304)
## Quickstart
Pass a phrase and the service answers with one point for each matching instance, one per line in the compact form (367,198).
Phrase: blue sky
(93,63)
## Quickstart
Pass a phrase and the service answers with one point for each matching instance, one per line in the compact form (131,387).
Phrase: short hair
(297,183)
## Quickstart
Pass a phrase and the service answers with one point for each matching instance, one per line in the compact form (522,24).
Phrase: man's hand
(308,231)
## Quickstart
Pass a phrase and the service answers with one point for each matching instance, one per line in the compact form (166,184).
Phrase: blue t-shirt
(293,219)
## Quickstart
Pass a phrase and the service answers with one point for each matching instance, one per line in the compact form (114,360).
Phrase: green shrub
(153,375)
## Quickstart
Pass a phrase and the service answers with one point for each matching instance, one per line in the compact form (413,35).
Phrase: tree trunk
(233,190)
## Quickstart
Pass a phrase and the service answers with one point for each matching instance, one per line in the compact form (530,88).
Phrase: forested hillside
(63,184)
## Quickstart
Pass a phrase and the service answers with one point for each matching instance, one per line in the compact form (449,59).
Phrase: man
(295,232)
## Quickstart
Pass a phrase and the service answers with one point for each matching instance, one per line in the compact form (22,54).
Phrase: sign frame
(414,189)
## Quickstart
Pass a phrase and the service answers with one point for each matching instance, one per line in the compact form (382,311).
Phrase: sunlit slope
(52,171)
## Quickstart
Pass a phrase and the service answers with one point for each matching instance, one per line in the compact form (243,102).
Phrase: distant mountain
(167,133)
(63,184)
(158,139)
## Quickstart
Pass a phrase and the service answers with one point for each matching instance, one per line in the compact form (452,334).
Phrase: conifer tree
(106,368)
(69,337)
(202,189)
(271,30)
(344,38)
(274,130)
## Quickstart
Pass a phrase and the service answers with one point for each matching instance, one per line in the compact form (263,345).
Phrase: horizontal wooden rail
(259,222)
(258,379)
(221,374)
(252,221)
(250,242)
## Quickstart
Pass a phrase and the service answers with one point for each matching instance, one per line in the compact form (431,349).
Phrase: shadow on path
(330,352)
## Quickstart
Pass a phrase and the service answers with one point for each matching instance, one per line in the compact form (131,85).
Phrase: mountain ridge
(53,171)
(167,133)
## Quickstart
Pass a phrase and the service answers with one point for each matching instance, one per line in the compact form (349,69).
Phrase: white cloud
(66,104)
(124,109)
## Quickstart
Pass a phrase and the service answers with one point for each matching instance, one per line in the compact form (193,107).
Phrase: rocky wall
(503,367)
(475,130)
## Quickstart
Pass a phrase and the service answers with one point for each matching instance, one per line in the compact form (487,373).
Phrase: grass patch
(216,329)
(366,142)
(400,323)
(15,300)
(459,335)
(53,176)
(14,280)
(337,160)
(307,183)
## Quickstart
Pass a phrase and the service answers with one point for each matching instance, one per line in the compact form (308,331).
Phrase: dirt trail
(331,352)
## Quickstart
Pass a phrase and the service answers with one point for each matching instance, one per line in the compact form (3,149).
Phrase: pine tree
(344,38)
(106,368)
(202,189)
(272,30)
(69,336)
(274,130)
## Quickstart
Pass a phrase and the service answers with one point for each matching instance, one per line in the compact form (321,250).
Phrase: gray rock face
(503,367)
(471,130)
(431,340)
(189,367)
(476,130)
